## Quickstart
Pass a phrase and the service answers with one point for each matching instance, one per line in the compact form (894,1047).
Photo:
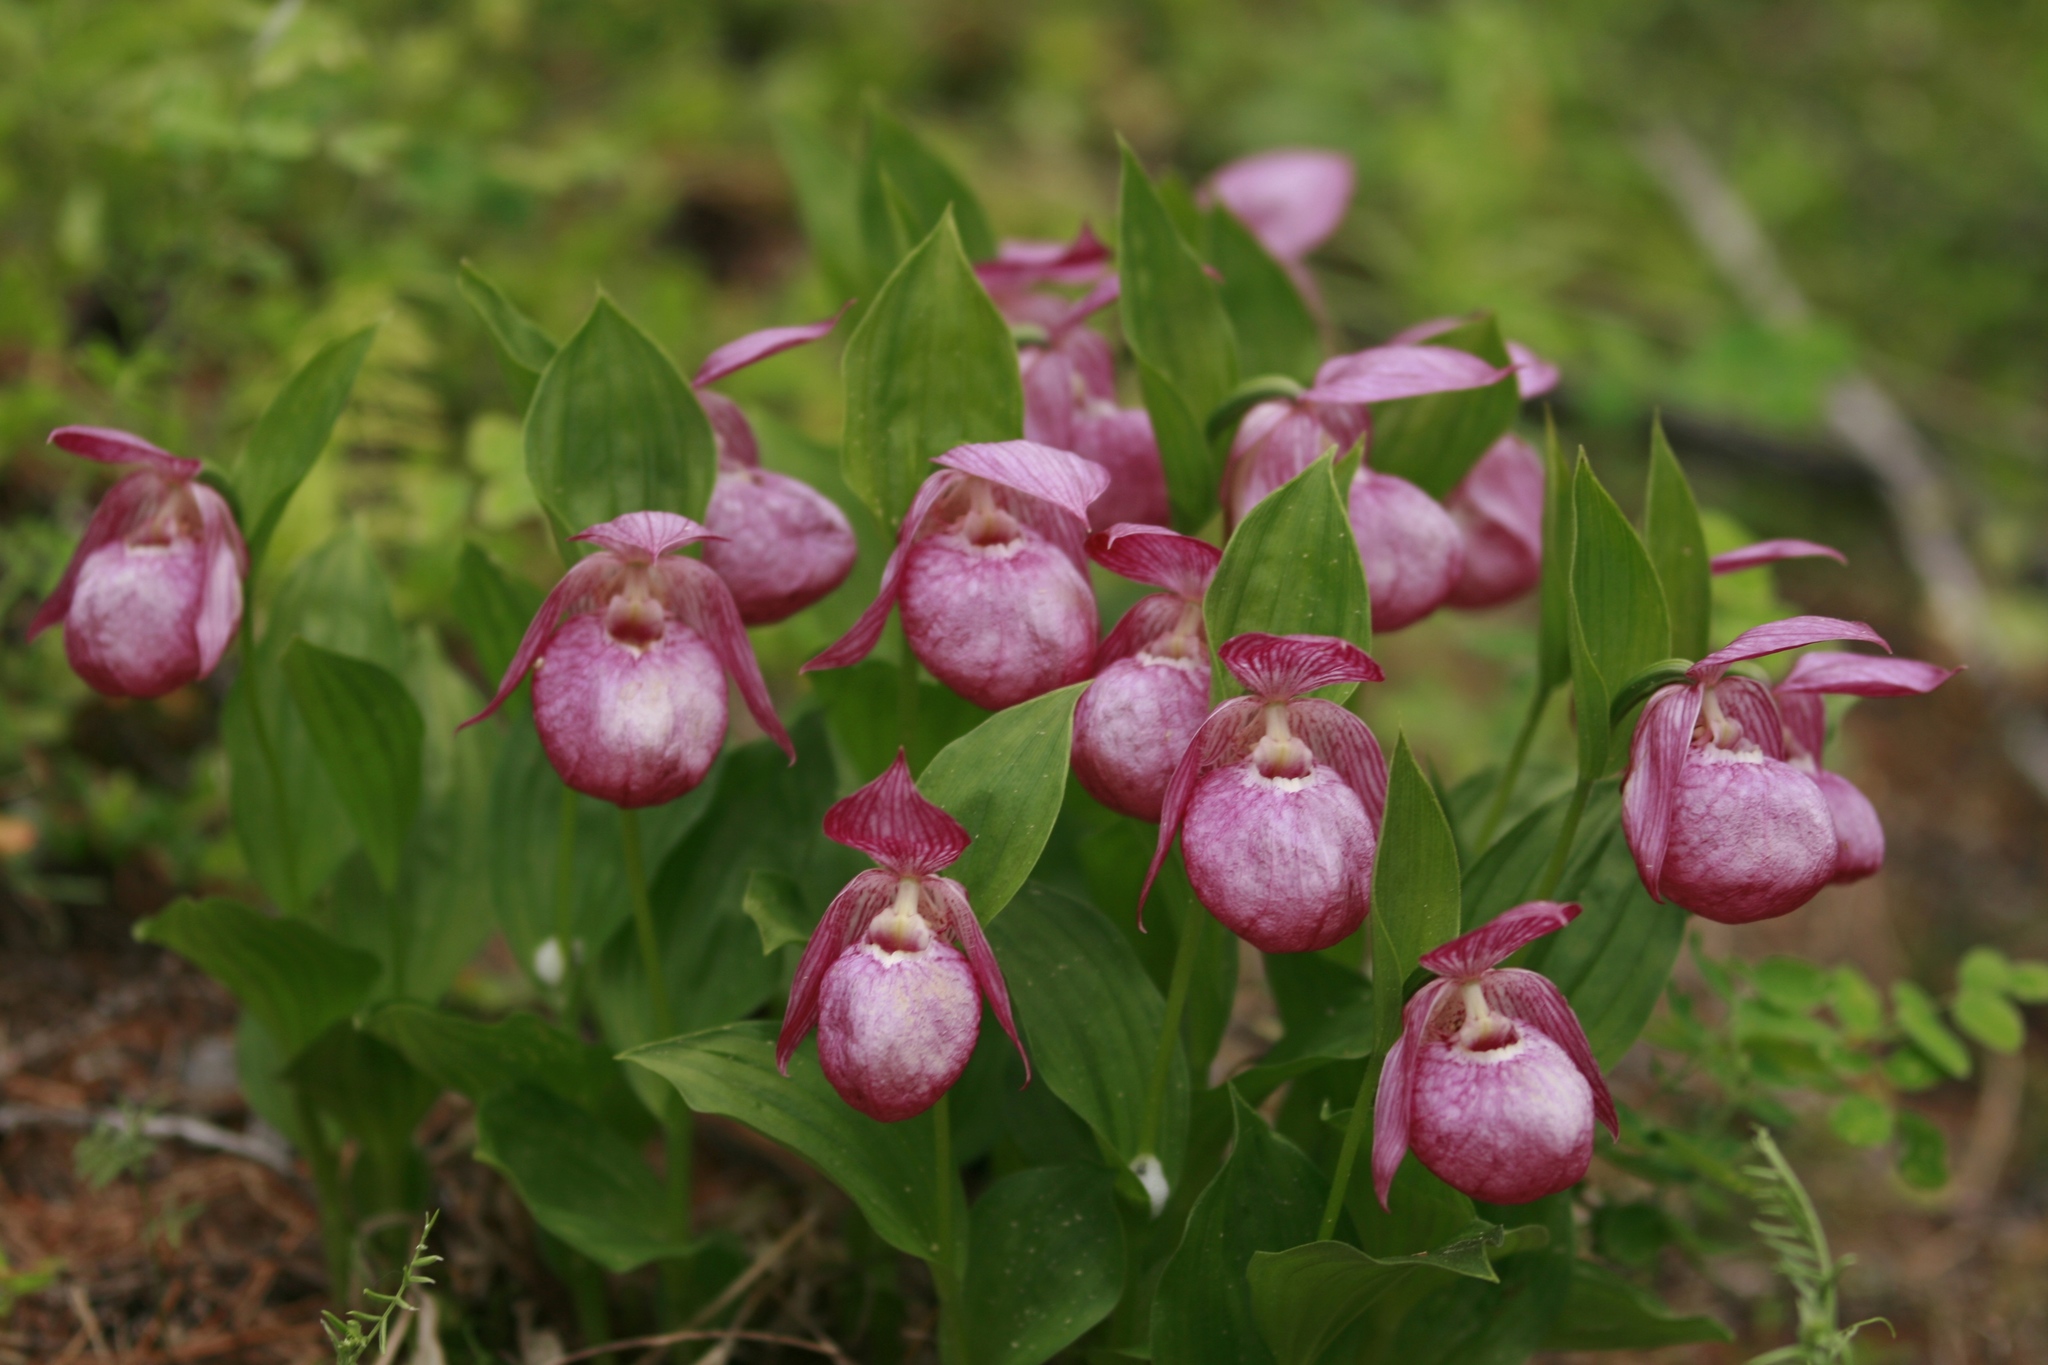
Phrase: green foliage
(1433,440)
(1678,548)
(1415,891)
(1276,333)
(292,432)
(1045,1262)
(1620,624)
(368,734)
(1788,1225)
(361,1331)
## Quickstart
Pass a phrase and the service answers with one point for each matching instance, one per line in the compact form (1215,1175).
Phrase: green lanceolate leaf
(1307,1297)
(613,428)
(1466,1321)
(1267,1197)
(1415,895)
(1678,548)
(1920,1020)
(1327,1011)
(926,186)
(1276,333)
(1604,1312)
(930,367)
(377,1097)
(294,979)
(861,705)
(524,348)
(826,182)
(494,609)
(1292,568)
(1554,593)
(1045,1262)
(292,432)
(1619,623)
(1091,1019)
(1431,441)
(1176,324)
(885,1168)
(367,730)
(775,904)
(579,1179)
(1004,780)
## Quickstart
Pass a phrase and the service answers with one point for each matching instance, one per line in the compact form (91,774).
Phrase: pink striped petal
(1771,551)
(1534,376)
(962,925)
(851,911)
(855,645)
(1291,199)
(1028,264)
(1385,373)
(643,537)
(1656,758)
(1157,557)
(757,346)
(1149,618)
(1749,704)
(1806,722)
(1492,943)
(1344,742)
(701,599)
(891,822)
(1535,999)
(1059,477)
(730,428)
(227,560)
(126,505)
(1278,667)
(109,446)
(1393,1103)
(570,596)
(1794,632)
(1862,675)
(1226,736)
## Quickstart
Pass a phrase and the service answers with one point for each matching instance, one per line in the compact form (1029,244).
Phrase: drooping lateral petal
(1749,704)
(1275,442)
(891,822)
(1534,376)
(1770,551)
(1384,373)
(227,559)
(110,446)
(1346,743)
(1863,675)
(757,346)
(1225,737)
(737,448)
(123,507)
(1020,264)
(1466,956)
(1157,557)
(1794,632)
(1100,295)
(1291,199)
(1149,618)
(1656,758)
(700,597)
(1277,667)
(1806,721)
(1392,1104)
(851,911)
(643,537)
(1535,999)
(1058,477)
(961,924)
(853,646)
(566,598)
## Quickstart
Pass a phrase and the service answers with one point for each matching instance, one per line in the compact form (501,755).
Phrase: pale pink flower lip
(1498,508)
(1492,1083)
(153,593)
(897,1007)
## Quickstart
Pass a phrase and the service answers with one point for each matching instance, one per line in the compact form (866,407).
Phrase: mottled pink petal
(851,911)
(1346,743)
(1749,704)
(227,560)
(1751,837)
(1806,723)
(1274,443)
(1863,675)
(1291,199)
(1411,547)
(1282,861)
(1277,667)
(1134,722)
(1156,557)
(109,446)
(1498,508)
(1222,739)
(981,958)
(1656,759)
(1415,333)
(732,432)
(123,508)
(1058,477)
(572,594)
(1492,943)
(700,598)
(1103,293)
(1859,834)
(1394,1101)
(1535,999)
(1027,264)
(643,537)
(891,822)
(1149,618)
(636,725)
(1770,551)
(1794,632)
(1385,373)
(1121,441)
(757,346)
(1534,376)
(854,646)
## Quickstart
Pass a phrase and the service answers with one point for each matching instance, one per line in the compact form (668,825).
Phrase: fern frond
(1790,1228)
(353,1337)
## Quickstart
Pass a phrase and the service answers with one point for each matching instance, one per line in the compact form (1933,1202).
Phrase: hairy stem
(946,1258)
(1498,807)
(1562,853)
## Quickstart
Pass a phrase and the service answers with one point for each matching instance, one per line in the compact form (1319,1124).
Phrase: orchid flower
(1718,821)
(1278,797)
(1498,508)
(1491,1083)
(897,1007)
(1771,551)
(1291,200)
(989,572)
(629,656)
(1151,687)
(1534,376)
(153,593)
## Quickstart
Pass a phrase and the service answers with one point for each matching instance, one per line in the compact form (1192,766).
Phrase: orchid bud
(897,1006)
(782,544)
(989,573)
(629,656)
(1290,200)
(1499,512)
(153,593)
(1151,687)
(1534,376)
(1491,1083)
(1278,797)
(1859,836)
(1719,822)
(1413,553)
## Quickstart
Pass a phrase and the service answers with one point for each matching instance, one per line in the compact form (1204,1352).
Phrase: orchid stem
(946,1260)
(1554,873)
(289,849)
(906,694)
(565,902)
(1498,807)
(1354,1138)
(335,1235)
(1185,955)
(643,924)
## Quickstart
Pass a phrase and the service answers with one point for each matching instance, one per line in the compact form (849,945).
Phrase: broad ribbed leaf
(613,428)
(1004,781)
(1554,592)
(493,607)
(930,367)
(1414,886)
(1467,1321)
(1604,1312)
(367,730)
(926,185)
(524,348)
(292,432)
(1432,441)
(1276,333)
(861,706)
(294,979)
(1622,625)
(826,181)
(1307,1297)
(1045,1262)
(1678,548)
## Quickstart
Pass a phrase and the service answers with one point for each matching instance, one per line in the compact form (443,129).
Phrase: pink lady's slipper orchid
(1151,688)
(1719,822)
(629,656)
(1499,511)
(988,569)
(1412,548)
(153,593)
(1491,1083)
(897,1007)
(1859,837)
(1291,200)
(1534,376)
(1771,551)
(781,544)
(1278,797)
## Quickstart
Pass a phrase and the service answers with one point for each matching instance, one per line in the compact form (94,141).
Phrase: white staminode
(550,963)
(1152,1176)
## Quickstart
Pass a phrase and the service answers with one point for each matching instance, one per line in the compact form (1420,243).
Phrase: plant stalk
(565,903)
(906,692)
(1186,954)
(1354,1138)
(643,924)
(946,1260)
(336,1237)
(1498,807)
(280,801)
(1559,855)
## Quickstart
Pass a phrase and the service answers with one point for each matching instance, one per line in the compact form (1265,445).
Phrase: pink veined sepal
(754,347)
(1346,743)
(1656,759)
(1222,738)
(1534,376)
(855,645)
(1150,617)
(1749,704)
(227,560)
(583,578)
(1026,264)
(1156,557)
(1278,667)
(1058,477)
(893,823)
(1535,998)
(108,445)
(1863,675)
(852,910)
(1794,632)
(1392,1103)
(643,537)
(704,603)
(1384,373)
(124,504)
(737,448)
(1806,721)
(1770,552)
(1492,943)
(962,925)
